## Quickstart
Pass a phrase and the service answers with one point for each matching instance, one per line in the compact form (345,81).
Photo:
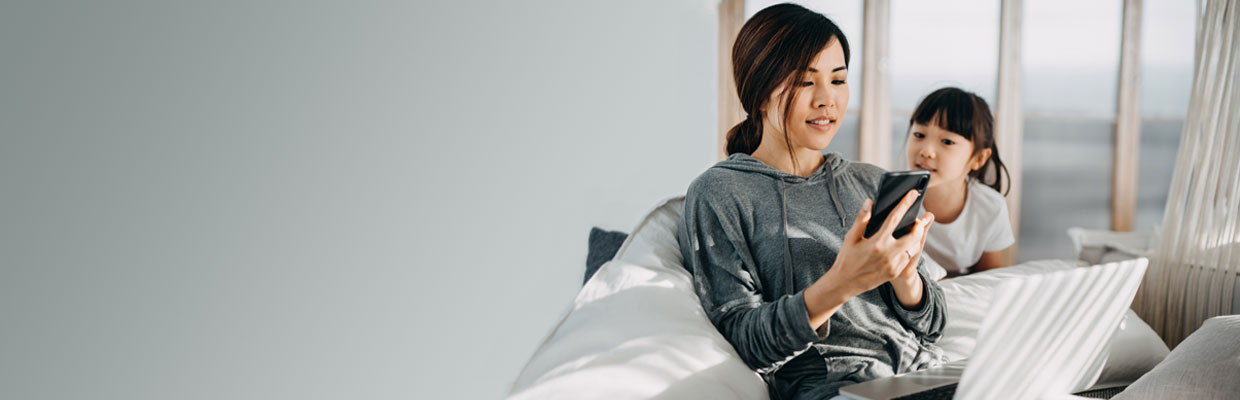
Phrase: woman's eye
(838,82)
(807,83)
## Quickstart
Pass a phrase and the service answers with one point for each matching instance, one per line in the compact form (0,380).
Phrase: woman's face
(818,102)
(947,155)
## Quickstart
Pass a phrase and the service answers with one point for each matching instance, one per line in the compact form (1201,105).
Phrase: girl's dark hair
(966,114)
(775,46)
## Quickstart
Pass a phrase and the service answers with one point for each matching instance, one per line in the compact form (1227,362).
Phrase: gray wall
(312,200)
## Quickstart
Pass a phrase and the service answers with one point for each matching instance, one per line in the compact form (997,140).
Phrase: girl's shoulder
(986,200)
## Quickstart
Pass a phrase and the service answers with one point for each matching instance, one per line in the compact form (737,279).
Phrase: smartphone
(891,189)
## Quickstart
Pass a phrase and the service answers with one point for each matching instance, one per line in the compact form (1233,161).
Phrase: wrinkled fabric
(755,237)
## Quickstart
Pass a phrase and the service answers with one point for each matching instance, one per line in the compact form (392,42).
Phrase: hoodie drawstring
(783,202)
(782,187)
(839,209)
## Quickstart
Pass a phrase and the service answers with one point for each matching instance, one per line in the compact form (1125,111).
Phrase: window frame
(874,136)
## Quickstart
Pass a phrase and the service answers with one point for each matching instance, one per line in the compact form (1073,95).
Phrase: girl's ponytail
(745,136)
(992,173)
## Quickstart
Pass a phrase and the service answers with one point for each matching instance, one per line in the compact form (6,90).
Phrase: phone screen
(891,188)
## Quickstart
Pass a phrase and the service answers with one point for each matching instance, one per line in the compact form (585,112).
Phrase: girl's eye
(948,142)
(918,135)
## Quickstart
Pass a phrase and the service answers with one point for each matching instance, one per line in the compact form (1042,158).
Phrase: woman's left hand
(908,285)
(910,270)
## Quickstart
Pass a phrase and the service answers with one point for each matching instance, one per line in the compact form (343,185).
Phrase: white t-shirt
(982,226)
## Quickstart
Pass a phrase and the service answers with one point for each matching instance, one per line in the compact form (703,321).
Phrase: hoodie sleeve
(765,334)
(926,321)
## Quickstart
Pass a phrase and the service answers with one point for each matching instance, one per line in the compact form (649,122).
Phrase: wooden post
(731,18)
(1009,117)
(1127,122)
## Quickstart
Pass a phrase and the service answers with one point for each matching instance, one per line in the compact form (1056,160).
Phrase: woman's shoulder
(864,173)
(720,184)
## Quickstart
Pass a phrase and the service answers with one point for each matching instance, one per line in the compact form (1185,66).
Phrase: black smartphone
(891,189)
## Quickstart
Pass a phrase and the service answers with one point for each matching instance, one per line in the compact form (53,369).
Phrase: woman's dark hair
(775,46)
(966,114)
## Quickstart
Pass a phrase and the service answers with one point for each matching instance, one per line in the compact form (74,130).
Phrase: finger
(912,262)
(919,233)
(893,219)
(920,228)
(927,219)
(863,217)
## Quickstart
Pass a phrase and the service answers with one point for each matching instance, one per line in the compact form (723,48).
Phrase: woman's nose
(823,98)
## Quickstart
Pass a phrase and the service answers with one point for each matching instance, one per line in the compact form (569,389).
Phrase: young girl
(951,134)
(774,234)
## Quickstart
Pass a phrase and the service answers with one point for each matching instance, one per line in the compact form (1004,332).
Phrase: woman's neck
(808,160)
(946,201)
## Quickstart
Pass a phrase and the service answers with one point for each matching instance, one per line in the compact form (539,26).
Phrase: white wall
(311,200)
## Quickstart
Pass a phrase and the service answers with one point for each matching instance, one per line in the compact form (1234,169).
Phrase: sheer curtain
(1193,273)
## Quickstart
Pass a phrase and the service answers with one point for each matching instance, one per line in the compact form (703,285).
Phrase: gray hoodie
(755,237)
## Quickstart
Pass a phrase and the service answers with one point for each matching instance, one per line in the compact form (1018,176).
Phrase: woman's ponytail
(745,136)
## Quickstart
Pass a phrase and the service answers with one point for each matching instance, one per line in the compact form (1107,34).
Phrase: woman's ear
(979,159)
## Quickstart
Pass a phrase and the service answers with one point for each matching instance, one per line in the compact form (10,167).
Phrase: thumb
(857,231)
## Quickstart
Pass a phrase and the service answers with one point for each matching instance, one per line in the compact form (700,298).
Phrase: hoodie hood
(833,166)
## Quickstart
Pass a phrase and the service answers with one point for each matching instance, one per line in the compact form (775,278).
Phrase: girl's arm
(991,260)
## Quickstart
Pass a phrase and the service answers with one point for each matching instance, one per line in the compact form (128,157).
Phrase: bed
(637,331)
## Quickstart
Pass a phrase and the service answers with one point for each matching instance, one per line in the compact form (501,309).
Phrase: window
(963,53)
(1070,56)
(1167,39)
(1070,69)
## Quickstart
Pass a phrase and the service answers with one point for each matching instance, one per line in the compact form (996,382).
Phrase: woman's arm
(917,299)
(822,300)
(909,289)
(928,317)
(765,334)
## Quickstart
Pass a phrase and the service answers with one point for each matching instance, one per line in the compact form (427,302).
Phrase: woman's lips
(822,127)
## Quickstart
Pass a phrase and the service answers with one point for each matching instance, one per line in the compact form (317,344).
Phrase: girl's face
(818,103)
(947,155)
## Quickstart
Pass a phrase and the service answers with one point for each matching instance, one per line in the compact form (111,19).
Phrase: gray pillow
(1206,365)
(603,247)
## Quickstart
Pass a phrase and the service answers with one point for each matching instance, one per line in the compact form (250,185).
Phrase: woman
(780,269)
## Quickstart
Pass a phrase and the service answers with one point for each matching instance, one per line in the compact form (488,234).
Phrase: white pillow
(1206,365)
(935,271)
(638,331)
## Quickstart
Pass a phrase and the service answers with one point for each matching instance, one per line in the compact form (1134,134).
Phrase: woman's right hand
(864,263)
